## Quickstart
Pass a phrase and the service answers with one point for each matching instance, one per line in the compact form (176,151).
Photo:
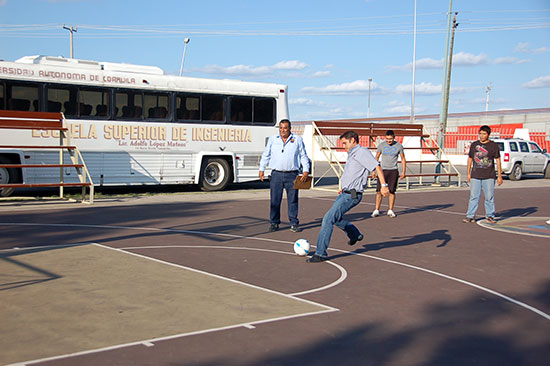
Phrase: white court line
(483,223)
(343,272)
(528,307)
(151,342)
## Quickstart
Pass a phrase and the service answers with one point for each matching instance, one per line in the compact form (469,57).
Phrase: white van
(520,157)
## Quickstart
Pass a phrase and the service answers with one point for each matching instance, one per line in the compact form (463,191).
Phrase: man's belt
(350,192)
(286,171)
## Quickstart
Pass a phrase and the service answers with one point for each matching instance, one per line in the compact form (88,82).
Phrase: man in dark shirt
(481,175)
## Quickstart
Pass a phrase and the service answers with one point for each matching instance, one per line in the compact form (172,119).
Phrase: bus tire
(7,175)
(215,174)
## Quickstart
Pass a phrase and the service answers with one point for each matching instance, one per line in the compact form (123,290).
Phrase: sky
(324,50)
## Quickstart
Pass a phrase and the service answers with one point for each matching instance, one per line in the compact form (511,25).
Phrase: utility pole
(487,100)
(72,30)
(445,90)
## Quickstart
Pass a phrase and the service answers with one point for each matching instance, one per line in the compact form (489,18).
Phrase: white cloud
(510,60)
(352,88)
(395,107)
(540,82)
(320,74)
(423,63)
(248,70)
(421,89)
(506,60)
(524,47)
(428,63)
(290,65)
(459,59)
(541,50)
(307,102)
(429,89)
(468,59)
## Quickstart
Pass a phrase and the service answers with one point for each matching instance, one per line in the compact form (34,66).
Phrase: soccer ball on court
(301,247)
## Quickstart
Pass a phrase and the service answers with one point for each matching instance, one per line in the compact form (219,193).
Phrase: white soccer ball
(301,247)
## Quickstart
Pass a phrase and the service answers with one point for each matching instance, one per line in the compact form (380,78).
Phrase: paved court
(196,279)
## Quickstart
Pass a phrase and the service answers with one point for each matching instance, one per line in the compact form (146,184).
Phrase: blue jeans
(488,187)
(278,182)
(335,216)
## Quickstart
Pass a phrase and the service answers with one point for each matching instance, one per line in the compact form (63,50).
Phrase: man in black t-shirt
(481,175)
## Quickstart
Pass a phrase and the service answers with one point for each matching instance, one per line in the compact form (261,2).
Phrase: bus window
(213,107)
(94,102)
(21,98)
(264,111)
(241,110)
(156,106)
(62,99)
(2,96)
(128,105)
(188,107)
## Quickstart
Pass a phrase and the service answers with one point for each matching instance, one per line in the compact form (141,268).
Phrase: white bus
(136,125)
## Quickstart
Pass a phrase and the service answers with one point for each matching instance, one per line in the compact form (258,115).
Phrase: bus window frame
(183,120)
(168,117)
(224,109)
(72,89)
(273,112)
(9,84)
(132,92)
(108,91)
(230,99)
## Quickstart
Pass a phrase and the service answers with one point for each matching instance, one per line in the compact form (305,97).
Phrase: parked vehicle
(521,157)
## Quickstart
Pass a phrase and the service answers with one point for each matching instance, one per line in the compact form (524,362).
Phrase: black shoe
(273,227)
(316,259)
(295,229)
(353,241)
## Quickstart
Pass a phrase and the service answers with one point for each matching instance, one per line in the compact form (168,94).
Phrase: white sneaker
(375,213)
(391,214)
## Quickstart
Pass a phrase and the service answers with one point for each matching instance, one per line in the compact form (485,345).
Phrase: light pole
(488,91)
(368,107)
(413,65)
(186,41)
(72,30)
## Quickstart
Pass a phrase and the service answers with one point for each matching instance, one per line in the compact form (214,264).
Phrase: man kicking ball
(353,181)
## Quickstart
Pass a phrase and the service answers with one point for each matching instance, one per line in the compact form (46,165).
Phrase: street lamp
(186,41)
(72,30)
(368,109)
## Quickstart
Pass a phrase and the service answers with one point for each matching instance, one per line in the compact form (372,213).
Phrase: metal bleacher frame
(47,121)
(323,130)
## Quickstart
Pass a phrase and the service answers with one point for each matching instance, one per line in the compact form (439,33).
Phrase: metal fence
(458,142)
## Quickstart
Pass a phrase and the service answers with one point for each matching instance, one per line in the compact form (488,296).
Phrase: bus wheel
(7,175)
(215,175)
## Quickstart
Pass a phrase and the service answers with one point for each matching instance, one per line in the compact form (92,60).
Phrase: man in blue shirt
(286,154)
(353,181)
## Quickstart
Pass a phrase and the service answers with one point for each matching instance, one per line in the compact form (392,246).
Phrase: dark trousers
(278,182)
